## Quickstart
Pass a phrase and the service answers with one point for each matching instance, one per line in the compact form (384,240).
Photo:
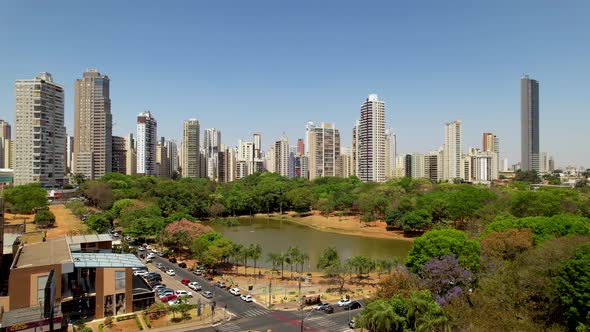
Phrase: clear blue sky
(267,66)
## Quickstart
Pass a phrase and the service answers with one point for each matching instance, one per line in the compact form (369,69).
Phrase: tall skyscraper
(211,144)
(162,161)
(390,152)
(309,126)
(281,157)
(119,153)
(371,136)
(40,135)
(300,147)
(130,155)
(172,150)
(324,149)
(5,130)
(6,145)
(452,151)
(529,124)
(93,125)
(191,154)
(147,140)
(257,140)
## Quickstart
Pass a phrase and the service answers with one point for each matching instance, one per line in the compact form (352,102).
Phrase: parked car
(185,281)
(158,286)
(151,255)
(234,291)
(182,292)
(160,254)
(172,260)
(149,259)
(194,286)
(141,273)
(182,265)
(246,297)
(353,305)
(344,302)
(321,306)
(159,265)
(164,268)
(168,297)
(207,294)
(220,284)
(174,302)
(329,309)
(171,272)
(197,272)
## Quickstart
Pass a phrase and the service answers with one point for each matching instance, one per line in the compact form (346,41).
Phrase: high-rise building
(211,144)
(130,155)
(390,152)
(543,163)
(309,126)
(6,155)
(324,149)
(408,166)
(172,150)
(147,140)
(431,162)
(69,153)
(202,163)
(281,157)
(481,167)
(300,147)
(400,166)
(529,124)
(162,161)
(191,154)
(418,166)
(40,135)
(93,125)
(119,153)
(452,151)
(551,164)
(491,143)
(257,140)
(5,130)
(355,149)
(371,137)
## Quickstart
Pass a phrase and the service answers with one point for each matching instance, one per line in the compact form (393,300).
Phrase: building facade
(452,151)
(390,152)
(281,157)
(146,144)
(93,125)
(529,124)
(324,150)
(119,155)
(371,137)
(130,155)
(40,135)
(191,155)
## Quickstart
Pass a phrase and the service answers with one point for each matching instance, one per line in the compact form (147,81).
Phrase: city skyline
(470,74)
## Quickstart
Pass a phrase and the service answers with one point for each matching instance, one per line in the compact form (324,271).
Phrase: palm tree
(236,253)
(255,253)
(380,315)
(386,264)
(274,259)
(245,256)
(282,259)
(293,254)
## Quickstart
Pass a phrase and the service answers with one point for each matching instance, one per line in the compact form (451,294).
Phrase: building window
(41,283)
(119,280)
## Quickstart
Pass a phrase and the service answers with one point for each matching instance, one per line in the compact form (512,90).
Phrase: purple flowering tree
(445,278)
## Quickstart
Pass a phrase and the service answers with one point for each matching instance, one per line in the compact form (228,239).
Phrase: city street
(251,316)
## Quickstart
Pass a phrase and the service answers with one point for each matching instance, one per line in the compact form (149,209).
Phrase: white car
(344,302)
(171,272)
(246,297)
(234,291)
(154,250)
(194,286)
(151,255)
(181,292)
(141,273)
(174,302)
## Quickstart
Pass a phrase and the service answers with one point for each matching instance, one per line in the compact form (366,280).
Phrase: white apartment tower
(191,154)
(130,155)
(147,141)
(324,150)
(93,125)
(371,138)
(40,135)
(390,152)
(281,157)
(452,151)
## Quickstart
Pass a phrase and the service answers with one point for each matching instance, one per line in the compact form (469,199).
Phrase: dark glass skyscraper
(529,124)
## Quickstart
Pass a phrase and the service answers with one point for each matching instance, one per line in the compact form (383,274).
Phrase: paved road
(251,316)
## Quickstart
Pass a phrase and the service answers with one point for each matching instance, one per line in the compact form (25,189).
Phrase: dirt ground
(65,221)
(349,225)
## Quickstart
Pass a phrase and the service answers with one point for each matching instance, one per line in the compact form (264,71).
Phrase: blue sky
(270,66)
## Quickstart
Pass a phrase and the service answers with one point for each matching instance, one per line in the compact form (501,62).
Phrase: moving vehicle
(168,297)
(234,291)
(197,272)
(172,260)
(353,305)
(329,309)
(220,284)
(321,306)
(182,292)
(352,323)
(344,302)
(194,286)
(171,272)
(207,294)
(185,281)
(246,297)
(182,265)
(159,265)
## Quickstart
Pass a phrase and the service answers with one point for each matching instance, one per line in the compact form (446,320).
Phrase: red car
(168,297)
(185,281)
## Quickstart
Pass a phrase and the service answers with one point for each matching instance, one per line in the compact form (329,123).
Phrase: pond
(276,236)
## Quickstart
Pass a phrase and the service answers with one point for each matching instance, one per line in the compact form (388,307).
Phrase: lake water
(276,236)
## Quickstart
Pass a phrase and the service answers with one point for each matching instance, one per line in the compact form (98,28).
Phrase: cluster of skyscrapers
(42,152)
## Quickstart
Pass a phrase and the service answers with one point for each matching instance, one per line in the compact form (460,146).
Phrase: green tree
(98,222)
(386,264)
(255,253)
(44,218)
(25,198)
(444,242)
(329,260)
(384,315)
(573,283)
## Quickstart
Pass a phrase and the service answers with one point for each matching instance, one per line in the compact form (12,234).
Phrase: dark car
(172,260)
(353,305)
(328,309)
(182,265)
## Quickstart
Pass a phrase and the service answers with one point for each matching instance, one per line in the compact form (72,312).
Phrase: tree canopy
(25,198)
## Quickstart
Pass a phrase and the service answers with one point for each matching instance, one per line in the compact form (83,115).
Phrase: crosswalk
(255,312)
(325,324)
(228,327)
